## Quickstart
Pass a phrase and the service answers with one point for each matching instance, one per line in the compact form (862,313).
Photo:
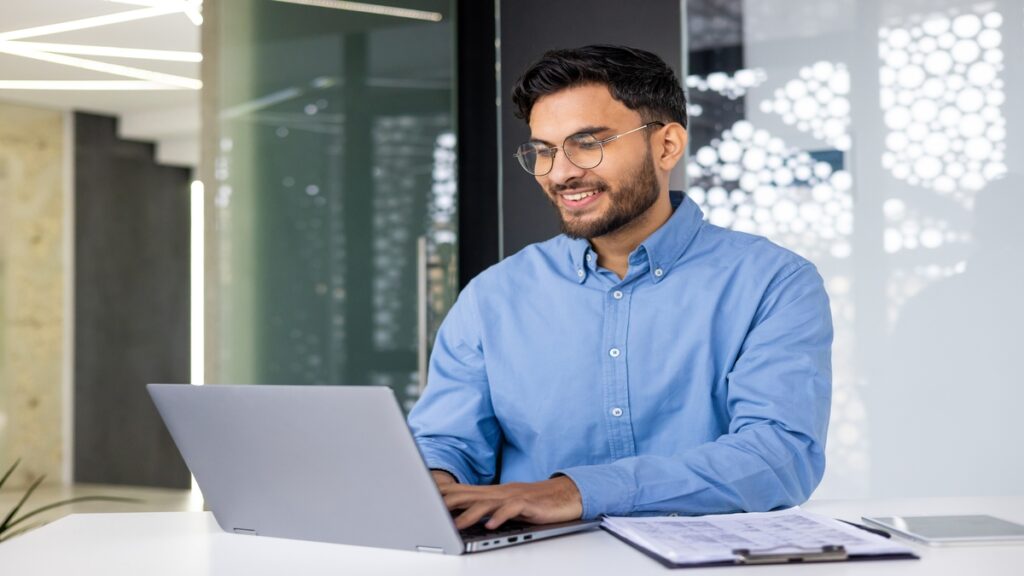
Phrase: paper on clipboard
(714,539)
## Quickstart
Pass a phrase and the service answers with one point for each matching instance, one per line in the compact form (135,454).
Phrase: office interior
(294,192)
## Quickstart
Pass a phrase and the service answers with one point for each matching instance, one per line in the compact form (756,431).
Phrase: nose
(563,170)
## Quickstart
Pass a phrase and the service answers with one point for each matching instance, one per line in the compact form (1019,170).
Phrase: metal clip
(824,554)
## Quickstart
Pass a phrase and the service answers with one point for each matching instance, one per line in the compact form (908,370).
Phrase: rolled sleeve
(453,422)
(603,489)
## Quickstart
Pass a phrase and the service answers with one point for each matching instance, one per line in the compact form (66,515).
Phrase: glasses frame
(568,157)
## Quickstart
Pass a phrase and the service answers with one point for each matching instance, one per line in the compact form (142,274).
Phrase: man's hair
(637,78)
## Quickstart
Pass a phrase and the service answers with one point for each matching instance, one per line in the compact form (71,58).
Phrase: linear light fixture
(84,23)
(197,304)
(112,51)
(117,69)
(190,8)
(368,8)
(83,85)
(197,297)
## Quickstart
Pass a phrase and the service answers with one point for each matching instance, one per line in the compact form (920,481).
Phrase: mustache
(600,186)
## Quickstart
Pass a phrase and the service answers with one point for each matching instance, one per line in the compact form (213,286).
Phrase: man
(642,362)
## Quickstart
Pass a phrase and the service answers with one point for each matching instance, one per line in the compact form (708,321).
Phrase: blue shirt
(700,383)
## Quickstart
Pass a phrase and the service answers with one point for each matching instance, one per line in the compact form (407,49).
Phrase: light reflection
(942,93)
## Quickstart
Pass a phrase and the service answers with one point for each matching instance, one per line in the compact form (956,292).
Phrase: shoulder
(732,248)
(534,262)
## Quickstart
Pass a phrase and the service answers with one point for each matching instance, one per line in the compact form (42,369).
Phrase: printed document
(707,539)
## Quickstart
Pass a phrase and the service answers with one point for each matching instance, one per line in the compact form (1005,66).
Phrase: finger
(504,514)
(461,498)
(474,513)
(455,487)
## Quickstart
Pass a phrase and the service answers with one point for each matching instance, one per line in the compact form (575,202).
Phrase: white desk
(191,544)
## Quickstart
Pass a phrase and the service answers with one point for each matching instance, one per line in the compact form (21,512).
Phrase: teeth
(580,196)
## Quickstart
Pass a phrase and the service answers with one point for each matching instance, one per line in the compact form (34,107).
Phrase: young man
(644,361)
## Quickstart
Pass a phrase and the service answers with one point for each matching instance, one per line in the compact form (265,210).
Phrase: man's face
(616,192)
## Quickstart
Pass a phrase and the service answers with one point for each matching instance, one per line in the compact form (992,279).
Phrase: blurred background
(294,191)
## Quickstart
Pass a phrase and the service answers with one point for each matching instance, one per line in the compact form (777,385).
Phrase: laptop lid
(324,463)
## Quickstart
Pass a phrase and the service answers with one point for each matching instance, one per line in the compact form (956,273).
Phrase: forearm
(761,467)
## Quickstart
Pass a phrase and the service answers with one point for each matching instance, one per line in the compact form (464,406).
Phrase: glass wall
(874,138)
(335,194)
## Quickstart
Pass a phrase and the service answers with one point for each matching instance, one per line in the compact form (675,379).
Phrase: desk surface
(191,543)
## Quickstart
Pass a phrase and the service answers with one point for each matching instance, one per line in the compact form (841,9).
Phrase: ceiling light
(370,9)
(114,52)
(93,22)
(117,69)
(190,8)
(82,85)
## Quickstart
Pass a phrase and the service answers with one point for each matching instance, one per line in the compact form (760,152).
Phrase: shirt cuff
(604,489)
(438,459)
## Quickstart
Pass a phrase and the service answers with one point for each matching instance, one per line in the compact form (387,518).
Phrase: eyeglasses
(583,150)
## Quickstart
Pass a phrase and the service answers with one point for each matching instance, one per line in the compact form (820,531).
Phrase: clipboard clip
(830,553)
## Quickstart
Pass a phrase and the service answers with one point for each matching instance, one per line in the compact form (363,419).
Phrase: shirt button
(589,257)
(658,272)
(580,272)
(617,294)
(616,412)
(614,352)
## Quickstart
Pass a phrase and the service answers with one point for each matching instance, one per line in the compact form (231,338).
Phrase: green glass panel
(335,191)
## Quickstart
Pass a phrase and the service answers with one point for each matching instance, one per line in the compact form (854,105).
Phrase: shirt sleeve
(778,401)
(454,422)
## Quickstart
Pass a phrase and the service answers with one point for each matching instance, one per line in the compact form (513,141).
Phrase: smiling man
(642,362)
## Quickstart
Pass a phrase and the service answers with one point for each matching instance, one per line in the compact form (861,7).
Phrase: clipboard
(787,554)
(757,557)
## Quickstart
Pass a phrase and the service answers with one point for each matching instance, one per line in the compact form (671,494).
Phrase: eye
(544,151)
(586,142)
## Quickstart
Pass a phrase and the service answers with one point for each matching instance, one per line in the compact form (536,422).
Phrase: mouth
(579,198)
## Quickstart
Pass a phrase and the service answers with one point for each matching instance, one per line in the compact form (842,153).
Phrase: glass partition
(874,138)
(335,193)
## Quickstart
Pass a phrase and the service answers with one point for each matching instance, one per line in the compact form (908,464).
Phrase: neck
(613,249)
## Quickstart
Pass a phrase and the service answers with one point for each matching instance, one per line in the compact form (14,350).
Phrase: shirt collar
(667,244)
(662,248)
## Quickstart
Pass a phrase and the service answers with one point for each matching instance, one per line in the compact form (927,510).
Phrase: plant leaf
(8,535)
(9,471)
(10,515)
(71,501)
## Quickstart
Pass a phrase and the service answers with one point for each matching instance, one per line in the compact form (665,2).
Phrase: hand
(441,478)
(547,502)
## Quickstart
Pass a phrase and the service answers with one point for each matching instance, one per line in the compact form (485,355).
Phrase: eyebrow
(584,130)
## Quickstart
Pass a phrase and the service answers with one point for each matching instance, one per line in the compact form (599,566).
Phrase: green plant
(9,522)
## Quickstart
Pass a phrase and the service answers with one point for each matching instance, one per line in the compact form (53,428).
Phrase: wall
(653,25)
(131,306)
(31,290)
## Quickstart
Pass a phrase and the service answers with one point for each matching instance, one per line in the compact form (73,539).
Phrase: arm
(779,398)
(453,422)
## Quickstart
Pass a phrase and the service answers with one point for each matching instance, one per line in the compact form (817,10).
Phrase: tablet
(941,530)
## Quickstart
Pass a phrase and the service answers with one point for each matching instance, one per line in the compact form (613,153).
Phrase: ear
(673,138)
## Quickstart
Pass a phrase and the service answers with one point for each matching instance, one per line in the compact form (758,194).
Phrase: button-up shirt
(699,383)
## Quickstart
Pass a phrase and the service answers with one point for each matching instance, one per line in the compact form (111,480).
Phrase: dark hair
(637,78)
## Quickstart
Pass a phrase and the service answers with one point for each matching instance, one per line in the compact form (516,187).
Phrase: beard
(638,192)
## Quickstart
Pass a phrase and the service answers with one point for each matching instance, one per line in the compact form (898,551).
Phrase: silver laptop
(324,463)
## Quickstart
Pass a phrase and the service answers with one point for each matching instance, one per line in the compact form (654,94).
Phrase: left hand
(546,502)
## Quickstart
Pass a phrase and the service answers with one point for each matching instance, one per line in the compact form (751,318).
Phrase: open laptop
(324,463)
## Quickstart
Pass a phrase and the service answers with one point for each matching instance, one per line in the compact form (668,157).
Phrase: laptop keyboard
(510,527)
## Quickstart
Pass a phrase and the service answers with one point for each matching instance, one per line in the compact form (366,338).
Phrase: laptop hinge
(248,531)
(433,549)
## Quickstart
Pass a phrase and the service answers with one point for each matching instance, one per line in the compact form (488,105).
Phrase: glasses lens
(584,150)
(535,158)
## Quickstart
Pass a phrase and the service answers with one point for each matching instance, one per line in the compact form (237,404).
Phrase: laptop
(323,463)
